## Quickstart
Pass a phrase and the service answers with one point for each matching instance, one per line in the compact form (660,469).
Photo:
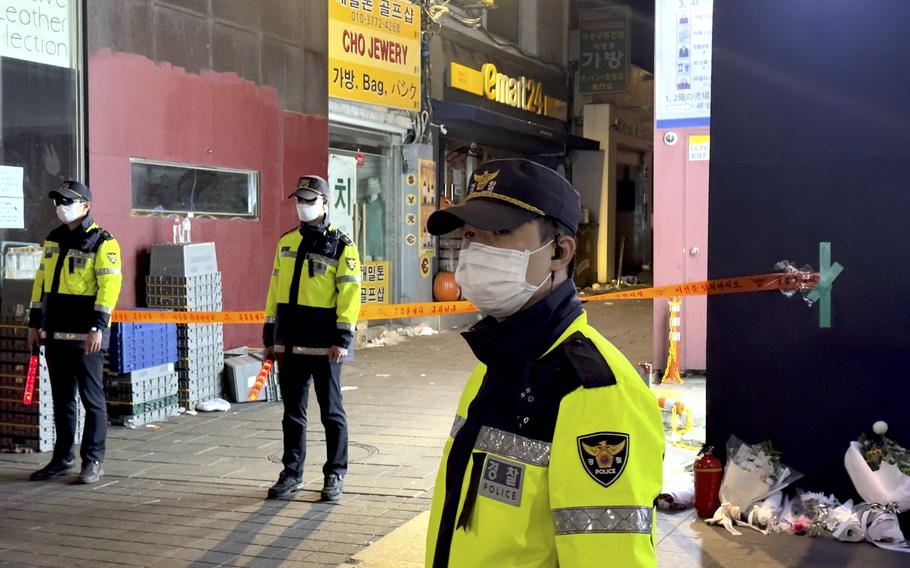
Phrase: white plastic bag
(215,404)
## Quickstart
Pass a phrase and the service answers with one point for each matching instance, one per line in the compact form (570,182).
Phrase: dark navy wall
(810,142)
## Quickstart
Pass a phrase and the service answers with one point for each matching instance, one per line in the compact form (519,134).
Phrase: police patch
(604,455)
(502,481)
(352,264)
(112,257)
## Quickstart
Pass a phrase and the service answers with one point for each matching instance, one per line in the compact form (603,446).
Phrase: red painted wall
(140,108)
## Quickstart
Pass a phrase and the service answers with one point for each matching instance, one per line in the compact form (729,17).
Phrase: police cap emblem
(481,181)
(604,455)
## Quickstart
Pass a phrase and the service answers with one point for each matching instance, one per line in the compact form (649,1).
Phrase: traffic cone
(671,374)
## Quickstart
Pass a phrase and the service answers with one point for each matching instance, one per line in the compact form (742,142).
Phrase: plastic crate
(141,345)
(183,259)
(150,417)
(211,278)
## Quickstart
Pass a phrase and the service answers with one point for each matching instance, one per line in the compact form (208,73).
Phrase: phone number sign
(374,52)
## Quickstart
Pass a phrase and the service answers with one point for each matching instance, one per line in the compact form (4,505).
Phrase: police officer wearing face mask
(311,312)
(75,292)
(555,455)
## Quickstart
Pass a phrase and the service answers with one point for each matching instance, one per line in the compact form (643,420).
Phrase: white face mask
(307,212)
(494,279)
(69,213)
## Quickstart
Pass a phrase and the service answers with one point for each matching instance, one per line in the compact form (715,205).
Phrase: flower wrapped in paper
(880,470)
(753,473)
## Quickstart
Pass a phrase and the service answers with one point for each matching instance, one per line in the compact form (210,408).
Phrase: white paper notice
(12,204)
(12,214)
(11,181)
(699,148)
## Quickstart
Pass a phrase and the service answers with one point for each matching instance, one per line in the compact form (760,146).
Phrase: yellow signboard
(519,92)
(374,52)
(374,283)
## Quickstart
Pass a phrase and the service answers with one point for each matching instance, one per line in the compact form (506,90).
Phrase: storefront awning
(475,124)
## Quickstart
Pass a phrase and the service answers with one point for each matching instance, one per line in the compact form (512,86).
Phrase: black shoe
(286,486)
(333,487)
(52,470)
(91,472)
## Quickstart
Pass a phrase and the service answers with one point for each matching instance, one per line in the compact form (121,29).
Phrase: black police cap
(72,189)
(505,194)
(308,185)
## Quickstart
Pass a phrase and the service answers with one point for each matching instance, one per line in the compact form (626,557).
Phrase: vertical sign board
(39,31)
(427,180)
(682,63)
(604,46)
(411,209)
(343,192)
(374,282)
(374,52)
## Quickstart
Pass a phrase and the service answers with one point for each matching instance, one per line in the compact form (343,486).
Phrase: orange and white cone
(671,374)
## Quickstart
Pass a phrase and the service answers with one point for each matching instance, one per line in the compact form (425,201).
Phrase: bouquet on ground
(754,473)
(880,470)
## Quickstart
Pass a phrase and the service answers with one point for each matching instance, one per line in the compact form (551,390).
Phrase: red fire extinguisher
(709,473)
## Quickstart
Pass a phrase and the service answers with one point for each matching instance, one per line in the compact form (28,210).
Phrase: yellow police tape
(758,283)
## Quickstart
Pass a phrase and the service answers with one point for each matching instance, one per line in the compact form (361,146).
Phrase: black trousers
(70,368)
(294,374)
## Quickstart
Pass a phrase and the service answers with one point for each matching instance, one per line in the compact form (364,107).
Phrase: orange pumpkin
(445,289)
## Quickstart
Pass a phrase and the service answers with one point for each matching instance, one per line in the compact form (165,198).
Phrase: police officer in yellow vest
(555,455)
(311,312)
(75,292)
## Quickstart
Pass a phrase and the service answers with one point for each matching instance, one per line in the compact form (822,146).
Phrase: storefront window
(370,161)
(40,111)
(163,189)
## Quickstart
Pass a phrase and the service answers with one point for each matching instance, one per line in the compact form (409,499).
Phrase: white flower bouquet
(880,470)
(754,475)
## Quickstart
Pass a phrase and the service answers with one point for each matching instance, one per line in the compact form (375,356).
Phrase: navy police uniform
(75,292)
(555,454)
(313,303)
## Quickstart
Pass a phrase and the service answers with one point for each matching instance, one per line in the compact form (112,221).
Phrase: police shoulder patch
(588,363)
(345,239)
(352,263)
(604,455)
(112,257)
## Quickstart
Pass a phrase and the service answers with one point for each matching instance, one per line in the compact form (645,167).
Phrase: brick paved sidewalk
(191,493)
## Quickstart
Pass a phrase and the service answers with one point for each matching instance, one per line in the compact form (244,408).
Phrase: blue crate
(141,345)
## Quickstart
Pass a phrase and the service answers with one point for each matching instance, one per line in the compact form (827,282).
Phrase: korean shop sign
(374,52)
(520,92)
(604,44)
(374,287)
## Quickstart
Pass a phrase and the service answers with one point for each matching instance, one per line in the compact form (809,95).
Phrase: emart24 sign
(374,52)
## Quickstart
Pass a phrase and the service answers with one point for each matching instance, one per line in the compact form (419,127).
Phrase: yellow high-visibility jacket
(78,282)
(572,487)
(314,292)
